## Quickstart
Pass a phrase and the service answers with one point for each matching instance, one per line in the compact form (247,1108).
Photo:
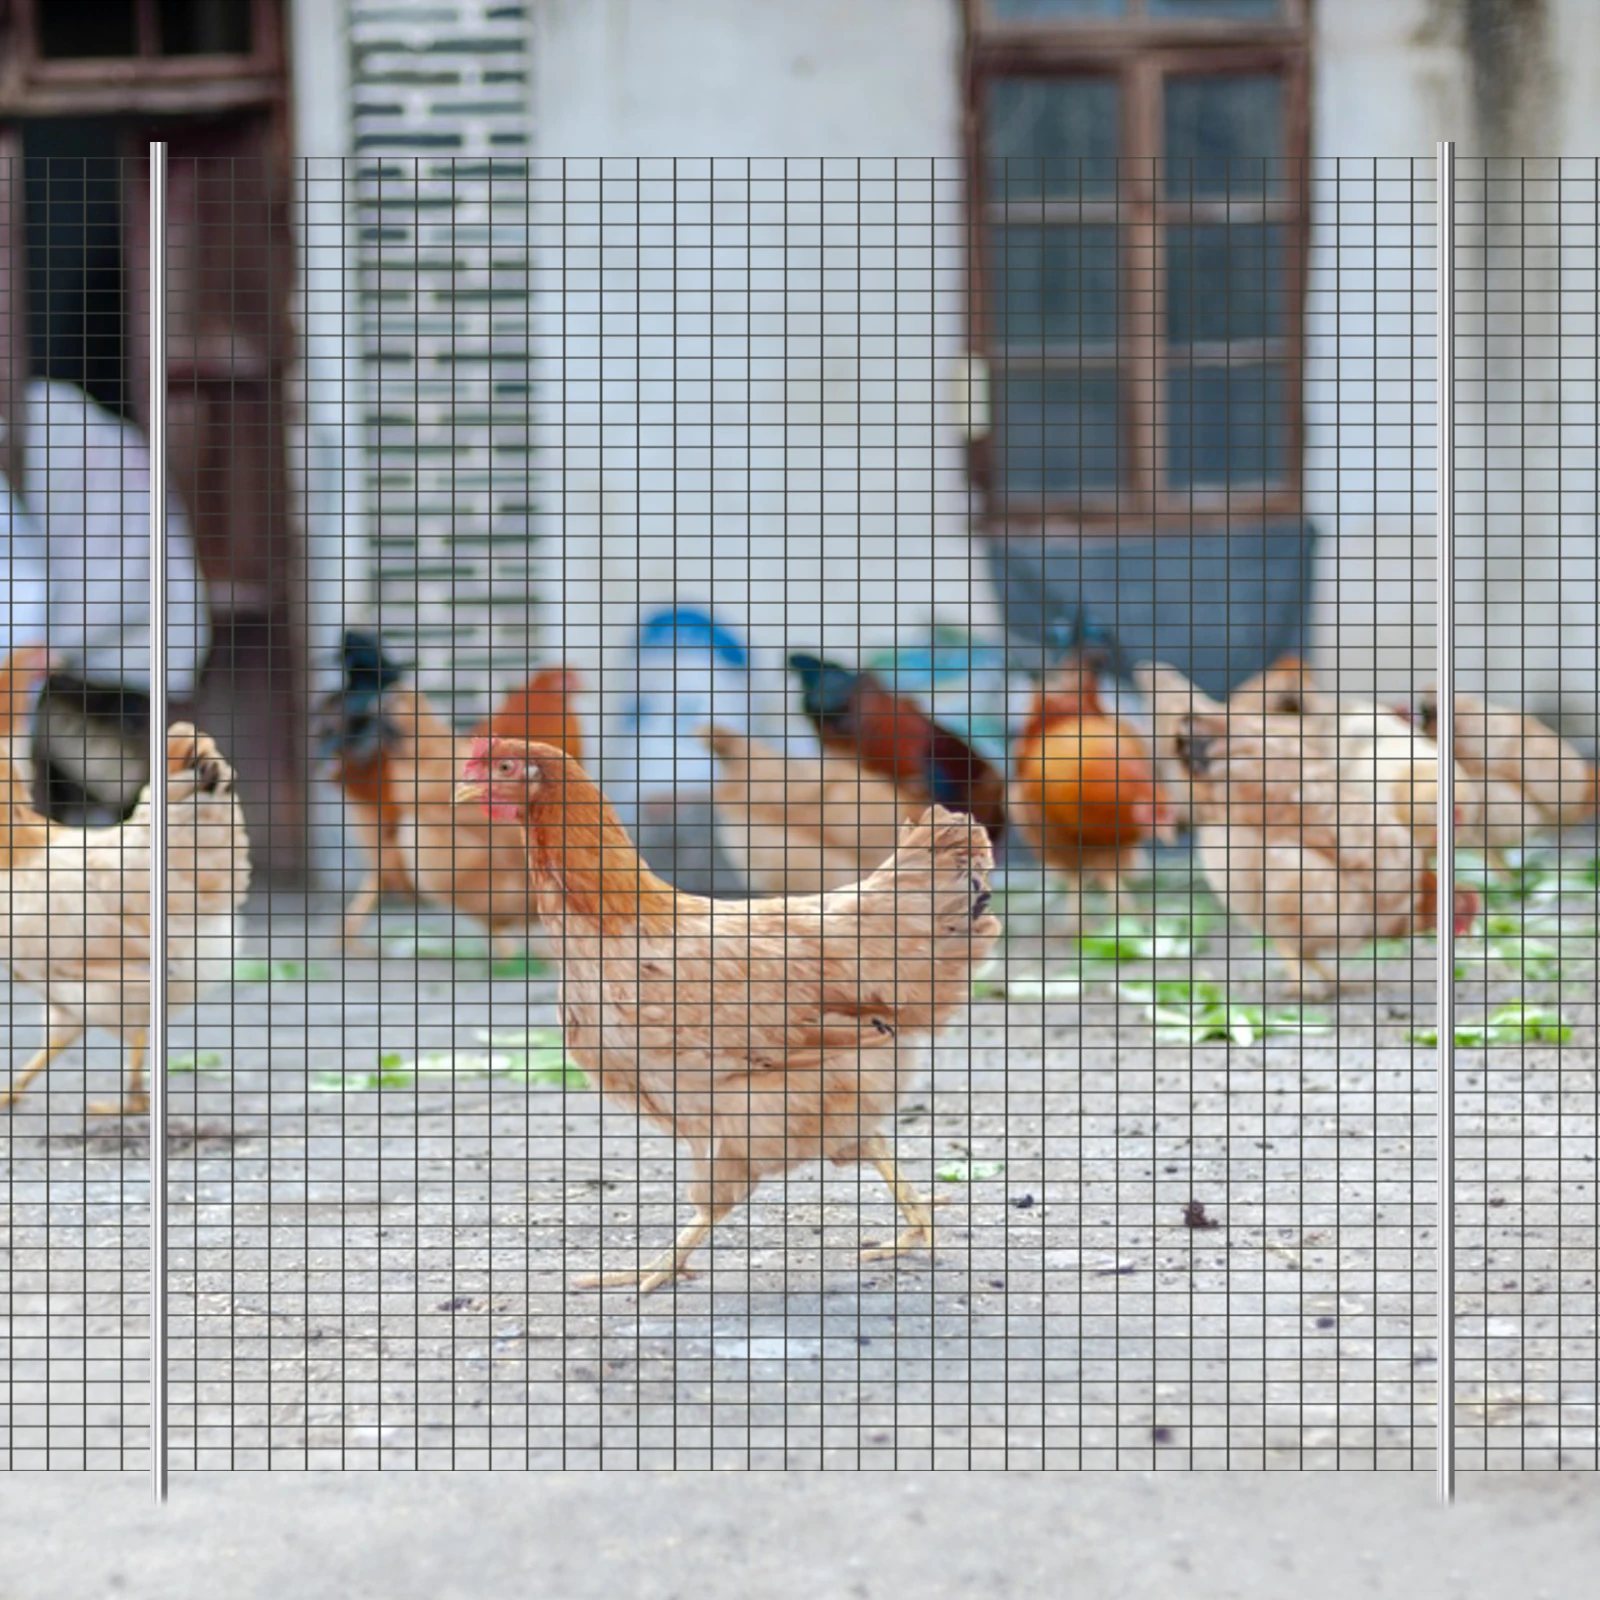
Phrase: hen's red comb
(477,762)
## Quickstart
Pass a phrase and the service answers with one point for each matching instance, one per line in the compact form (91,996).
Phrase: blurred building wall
(780,334)
(328,451)
(1506,79)
(777,305)
(413,129)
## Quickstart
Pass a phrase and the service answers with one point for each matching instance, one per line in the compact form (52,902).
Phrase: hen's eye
(507,767)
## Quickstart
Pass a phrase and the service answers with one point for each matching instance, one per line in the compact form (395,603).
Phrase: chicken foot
(135,1102)
(671,1263)
(61,1035)
(917,1210)
(722,1181)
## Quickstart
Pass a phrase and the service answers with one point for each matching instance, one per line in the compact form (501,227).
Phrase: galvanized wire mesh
(503,416)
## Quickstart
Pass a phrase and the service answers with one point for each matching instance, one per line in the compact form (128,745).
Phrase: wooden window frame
(1139,52)
(35,85)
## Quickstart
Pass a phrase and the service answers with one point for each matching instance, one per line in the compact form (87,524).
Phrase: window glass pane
(1239,10)
(205,27)
(1054,285)
(1028,10)
(1052,138)
(1225,426)
(1224,281)
(1223,136)
(1058,431)
(79,30)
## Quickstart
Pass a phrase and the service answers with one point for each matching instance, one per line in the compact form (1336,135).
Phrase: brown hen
(798,824)
(1529,779)
(1321,868)
(761,1033)
(21,673)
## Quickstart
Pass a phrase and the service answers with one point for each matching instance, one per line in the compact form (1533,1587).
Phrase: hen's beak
(1194,747)
(1167,832)
(468,791)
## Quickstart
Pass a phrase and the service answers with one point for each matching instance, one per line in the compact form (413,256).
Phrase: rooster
(78,929)
(352,740)
(356,736)
(856,716)
(761,1033)
(1084,793)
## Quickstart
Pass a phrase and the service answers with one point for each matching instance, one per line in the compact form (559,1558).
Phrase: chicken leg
(135,1102)
(913,1207)
(360,908)
(386,874)
(61,1033)
(1296,965)
(722,1180)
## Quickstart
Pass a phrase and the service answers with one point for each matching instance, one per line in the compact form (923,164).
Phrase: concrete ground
(937,1536)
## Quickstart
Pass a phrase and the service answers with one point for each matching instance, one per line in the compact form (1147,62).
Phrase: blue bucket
(691,669)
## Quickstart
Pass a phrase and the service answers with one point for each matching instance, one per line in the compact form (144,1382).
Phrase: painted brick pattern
(442,133)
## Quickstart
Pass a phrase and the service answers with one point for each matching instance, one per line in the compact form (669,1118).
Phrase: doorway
(74,243)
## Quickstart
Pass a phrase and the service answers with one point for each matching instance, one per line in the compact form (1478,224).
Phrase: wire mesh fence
(1089,500)
(1525,709)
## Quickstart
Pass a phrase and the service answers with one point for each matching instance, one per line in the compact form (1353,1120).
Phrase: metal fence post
(1444,466)
(157,1037)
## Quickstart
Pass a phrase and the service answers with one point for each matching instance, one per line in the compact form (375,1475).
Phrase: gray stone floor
(377,1275)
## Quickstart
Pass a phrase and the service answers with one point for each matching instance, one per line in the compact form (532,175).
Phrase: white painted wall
(731,79)
(1384,88)
(325,453)
(702,78)
(761,427)
(762,398)
(1391,77)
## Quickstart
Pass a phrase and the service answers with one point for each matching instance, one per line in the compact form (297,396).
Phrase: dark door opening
(74,198)
(79,253)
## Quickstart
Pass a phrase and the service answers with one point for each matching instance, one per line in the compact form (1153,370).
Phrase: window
(68,31)
(1139,178)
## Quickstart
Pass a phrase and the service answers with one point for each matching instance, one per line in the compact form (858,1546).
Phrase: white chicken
(77,929)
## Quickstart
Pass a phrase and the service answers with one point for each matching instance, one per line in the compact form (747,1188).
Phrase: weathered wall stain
(1514,84)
